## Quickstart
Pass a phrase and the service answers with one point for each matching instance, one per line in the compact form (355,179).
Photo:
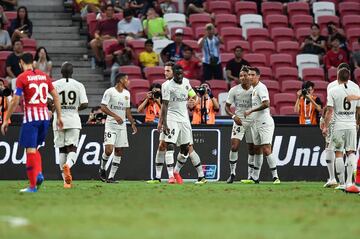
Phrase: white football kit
(71,95)
(241,99)
(117,102)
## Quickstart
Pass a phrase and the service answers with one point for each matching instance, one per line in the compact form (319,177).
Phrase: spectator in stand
(210,45)
(21,26)
(335,55)
(3,18)
(190,64)
(148,58)
(5,41)
(140,7)
(42,61)
(234,66)
(151,104)
(105,29)
(175,50)
(356,57)
(205,106)
(338,33)
(8,5)
(6,102)
(168,7)
(87,6)
(13,68)
(96,116)
(130,25)
(315,43)
(120,54)
(308,105)
(194,6)
(154,26)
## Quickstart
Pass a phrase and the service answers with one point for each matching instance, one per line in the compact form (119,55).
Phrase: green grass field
(216,210)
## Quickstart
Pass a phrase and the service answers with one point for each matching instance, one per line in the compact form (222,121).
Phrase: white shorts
(66,137)
(116,136)
(343,140)
(239,131)
(262,133)
(180,133)
(162,138)
(330,133)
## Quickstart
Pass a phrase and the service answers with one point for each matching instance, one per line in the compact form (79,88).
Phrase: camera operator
(308,105)
(205,106)
(96,116)
(152,104)
(4,93)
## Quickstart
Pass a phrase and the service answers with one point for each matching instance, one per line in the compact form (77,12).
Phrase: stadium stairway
(60,35)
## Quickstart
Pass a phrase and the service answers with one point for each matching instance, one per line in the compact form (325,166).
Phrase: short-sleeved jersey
(71,95)
(344,111)
(241,99)
(260,94)
(35,85)
(117,102)
(177,95)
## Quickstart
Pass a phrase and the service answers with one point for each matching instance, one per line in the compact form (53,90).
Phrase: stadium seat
(355,46)
(265,47)
(284,99)
(320,86)
(199,20)
(288,47)
(245,7)
(225,20)
(302,33)
(291,86)
(3,56)
(307,61)
(273,21)
(255,59)
(138,98)
(280,60)
(133,72)
(322,97)
(231,34)
(324,20)
(357,75)
(218,86)
(195,83)
(332,74)
(152,73)
(353,34)
(287,110)
(313,74)
(266,73)
(298,8)
(138,45)
(159,45)
(230,45)
(174,20)
(282,34)
(193,44)
(219,7)
(323,9)
(188,32)
(159,81)
(106,44)
(301,21)
(351,21)
(257,34)
(271,8)
(349,8)
(225,58)
(273,110)
(273,88)
(29,44)
(286,73)
(248,21)
(10,15)
(138,85)
(199,32)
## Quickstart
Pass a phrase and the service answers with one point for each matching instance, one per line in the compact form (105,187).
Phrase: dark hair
(17,40)
(316,25)
(334,38)
(187,48)
(27,58)
(26,19)
(149,41)
(38,51)
(238,47)
(154,85)
(245,69)
(169,63)
(176,67)
(128,12)
(119,77)
(308,84)
(257,71)
(67,70)
(109,5)
(344,65)
(343,74)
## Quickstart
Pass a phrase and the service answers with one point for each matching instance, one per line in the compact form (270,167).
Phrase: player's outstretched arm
(132,120)
(57,105)
(13,104)
(353,97)
(106,110)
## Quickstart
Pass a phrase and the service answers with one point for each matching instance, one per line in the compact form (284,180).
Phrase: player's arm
(328,116)
(228,111)
(163,115)
(83,106)
(131,119)
(264,105)
(358,115)
(353,97)
(108,112)
(57,106)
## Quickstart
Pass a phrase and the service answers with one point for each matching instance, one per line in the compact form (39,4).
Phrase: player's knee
(162,146)
(266,150)
(108,150)
(170,147)
(184,149)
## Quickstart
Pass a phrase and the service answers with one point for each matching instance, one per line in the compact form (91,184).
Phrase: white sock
(159,163)
(340,170)
(272,165)
(195,160)
(233,157)
(169,159)
(181,160)
(350,167)
(258,160)
(114,166)
(104,160)
(330,163)
(250,165)
(62,160)
(71,159)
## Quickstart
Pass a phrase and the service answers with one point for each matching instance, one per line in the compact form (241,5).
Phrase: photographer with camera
(152,104)
(4,100)
(307,104)
(205,106)
(96,116)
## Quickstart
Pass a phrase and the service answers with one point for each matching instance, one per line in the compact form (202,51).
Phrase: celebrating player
(35,86)
(73,99)
(116,105)
(344,136)
(176,123)
(240,96)
(262,127)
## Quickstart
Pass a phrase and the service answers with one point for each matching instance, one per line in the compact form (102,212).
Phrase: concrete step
(42,8)
(40,2)
(63,30)
(67,57)
(49,15)
(53,23)
(94,100)
(57,36)
(67,50)
(82,71)
(92,79)
(95,91)
(62,43)
(77,64)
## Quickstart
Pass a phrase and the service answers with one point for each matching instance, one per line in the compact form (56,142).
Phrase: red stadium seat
(225,20)
(280,60)
(324,20)
(332,74)
(273,110)
(133,72)
(353,34)
(273,21)
(195,83)
(266,73)
(188,32)
(302,33)
(11,15)
(219,7)
(271,8)
(199,20)
(301,21)
(313,74)
(265,47)
(291,86)
(288,47)
(138,85)
(152,73)
(3,56)
(355,46)
(231,34)
(139,98)
(298,8)
(230,45)
(255,59)
(199,32)
(351,21)
(287,110)
(284,99)
(193,44)
(225,58)
(137,45)
(105,46)
(245,7)
(158,81)
(357,75)
(272,86)
(282,34)
(218,86)
(320,86)
(349,8)
(286,73)
(29,44)
(257,34)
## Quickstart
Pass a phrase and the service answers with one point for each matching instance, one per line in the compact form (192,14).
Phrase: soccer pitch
(216,210)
